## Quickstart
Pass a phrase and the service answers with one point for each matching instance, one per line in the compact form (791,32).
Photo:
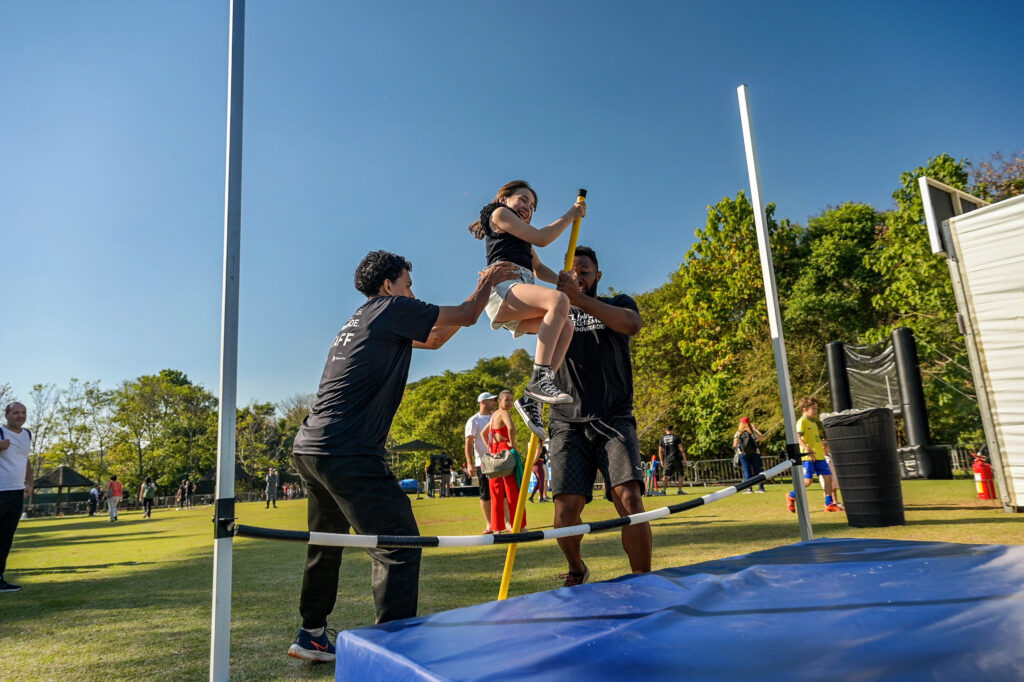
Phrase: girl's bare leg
(562,345)
(539,310)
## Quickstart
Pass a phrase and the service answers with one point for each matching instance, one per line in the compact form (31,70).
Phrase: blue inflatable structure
(820,610)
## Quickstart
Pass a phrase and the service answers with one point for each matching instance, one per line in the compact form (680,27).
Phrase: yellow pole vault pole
(517,522)
(574,235)
(531,453)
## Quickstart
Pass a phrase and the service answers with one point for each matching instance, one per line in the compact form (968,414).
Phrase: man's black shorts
(578,450)
(485,488)
(674,467)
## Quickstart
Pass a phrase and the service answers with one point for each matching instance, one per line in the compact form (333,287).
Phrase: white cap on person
(485,396)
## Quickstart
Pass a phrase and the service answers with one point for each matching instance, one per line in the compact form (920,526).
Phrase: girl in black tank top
(520,305)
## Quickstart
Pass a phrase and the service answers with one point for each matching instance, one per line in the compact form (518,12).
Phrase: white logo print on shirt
(585,322)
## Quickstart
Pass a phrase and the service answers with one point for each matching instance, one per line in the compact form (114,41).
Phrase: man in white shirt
(15,481)
(476,447)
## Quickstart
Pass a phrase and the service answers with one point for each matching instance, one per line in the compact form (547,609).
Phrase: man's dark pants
(359,493)
(11,504)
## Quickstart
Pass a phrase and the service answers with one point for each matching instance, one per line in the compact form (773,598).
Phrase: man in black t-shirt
(597,431)
(339,450)
(673,456)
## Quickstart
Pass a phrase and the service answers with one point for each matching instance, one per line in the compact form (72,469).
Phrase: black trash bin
(863,444)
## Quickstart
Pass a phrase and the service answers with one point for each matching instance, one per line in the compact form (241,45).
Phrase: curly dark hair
(588,252)
(376,267)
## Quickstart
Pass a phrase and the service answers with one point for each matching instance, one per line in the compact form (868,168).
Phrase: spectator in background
(476,447)
(501,435)
(655,472)
(94,500)
(272,482)
(15,481)
(181,496)
(147,493)
(745,442)
(428,478)
(814,448)
(673,455)
(446,476)
(191,489)
(113,493)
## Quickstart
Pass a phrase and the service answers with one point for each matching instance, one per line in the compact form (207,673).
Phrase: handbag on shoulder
(499,465)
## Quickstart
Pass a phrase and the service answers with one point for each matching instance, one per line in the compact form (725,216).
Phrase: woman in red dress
(500,434)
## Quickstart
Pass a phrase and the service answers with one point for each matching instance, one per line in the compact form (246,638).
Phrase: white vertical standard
(774,317)
(220,627)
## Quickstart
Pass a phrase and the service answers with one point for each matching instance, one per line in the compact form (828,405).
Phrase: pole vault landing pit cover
(820,610)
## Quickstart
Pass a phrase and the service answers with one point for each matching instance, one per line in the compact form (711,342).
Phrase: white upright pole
(220,628)
(774,317)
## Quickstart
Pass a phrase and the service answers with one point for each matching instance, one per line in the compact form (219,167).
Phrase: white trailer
(985,252)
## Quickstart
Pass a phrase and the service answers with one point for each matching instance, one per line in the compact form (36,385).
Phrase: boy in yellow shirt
(814,447)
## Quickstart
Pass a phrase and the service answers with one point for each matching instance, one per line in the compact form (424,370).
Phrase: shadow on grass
(952,507)
(1010,521)
(82,569)
(37,528)
(27,541)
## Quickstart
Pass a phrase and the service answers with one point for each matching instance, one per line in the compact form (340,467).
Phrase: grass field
(132,599)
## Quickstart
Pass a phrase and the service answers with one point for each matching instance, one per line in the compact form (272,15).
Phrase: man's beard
(591,291)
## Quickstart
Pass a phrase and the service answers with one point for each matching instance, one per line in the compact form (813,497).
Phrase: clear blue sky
(388,125)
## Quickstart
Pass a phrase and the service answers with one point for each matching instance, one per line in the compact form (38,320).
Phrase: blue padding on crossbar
(821,610)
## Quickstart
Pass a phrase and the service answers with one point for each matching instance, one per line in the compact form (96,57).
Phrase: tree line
(161,425)
(703,359)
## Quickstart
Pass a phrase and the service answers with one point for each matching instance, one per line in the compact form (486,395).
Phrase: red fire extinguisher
(983,478)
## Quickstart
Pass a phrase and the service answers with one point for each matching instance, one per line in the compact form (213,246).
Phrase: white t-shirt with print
(14,460)
(474,427)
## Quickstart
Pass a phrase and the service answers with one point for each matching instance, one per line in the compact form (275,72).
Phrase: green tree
(435,409)
(831,296)
(167,422)
(258,439)
(99,403)
(699,324)
(43,399)
(70,422)
(293,410)
(917,293)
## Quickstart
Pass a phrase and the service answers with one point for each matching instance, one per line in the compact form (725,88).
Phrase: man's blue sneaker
(317,649)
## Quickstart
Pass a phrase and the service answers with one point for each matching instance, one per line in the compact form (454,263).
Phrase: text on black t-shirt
(597,371)
(364,378)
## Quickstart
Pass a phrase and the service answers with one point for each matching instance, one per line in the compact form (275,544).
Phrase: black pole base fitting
(224,518)
(793,452)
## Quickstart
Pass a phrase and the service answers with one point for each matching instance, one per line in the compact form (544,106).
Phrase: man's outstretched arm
(451,317)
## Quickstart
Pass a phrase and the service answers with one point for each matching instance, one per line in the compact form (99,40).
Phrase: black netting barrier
(874,381)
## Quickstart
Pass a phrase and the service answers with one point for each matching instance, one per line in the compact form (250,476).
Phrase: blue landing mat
(823,610)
